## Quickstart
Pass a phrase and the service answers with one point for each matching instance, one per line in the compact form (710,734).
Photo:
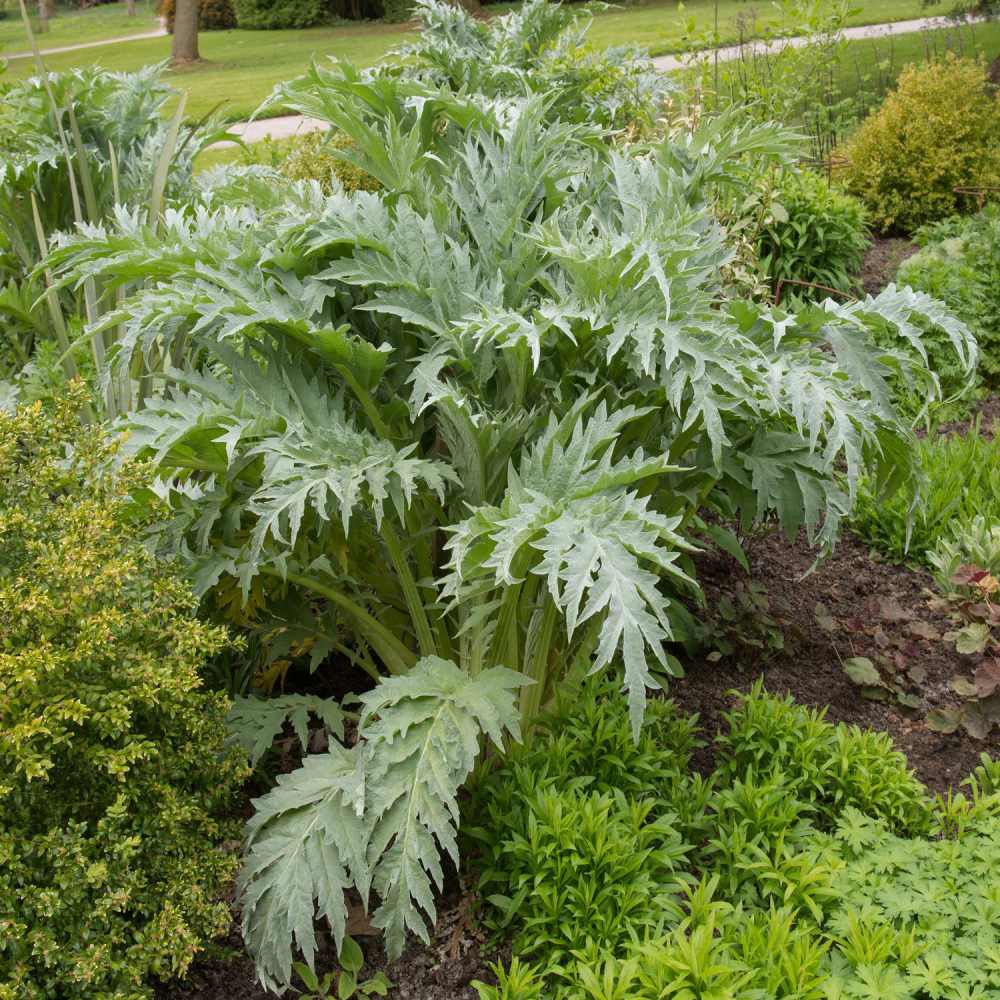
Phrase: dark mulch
(882,259)
(876,607)
(442,970)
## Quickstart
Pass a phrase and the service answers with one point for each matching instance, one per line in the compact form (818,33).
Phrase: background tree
(185,43)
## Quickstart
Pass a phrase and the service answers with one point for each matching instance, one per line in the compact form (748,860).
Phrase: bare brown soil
(882,260)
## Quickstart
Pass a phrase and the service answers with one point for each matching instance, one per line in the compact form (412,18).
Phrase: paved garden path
(286,126)
(158,33)
(667,64)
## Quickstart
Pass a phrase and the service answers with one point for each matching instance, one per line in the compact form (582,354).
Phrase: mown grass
(241,67)
(872,66)
(74,27)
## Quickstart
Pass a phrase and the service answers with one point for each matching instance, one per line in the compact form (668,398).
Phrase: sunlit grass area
(74,27)
(241,67)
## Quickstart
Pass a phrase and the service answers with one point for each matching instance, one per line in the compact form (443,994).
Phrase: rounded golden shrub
(310,159)
(940,129)
(115,782)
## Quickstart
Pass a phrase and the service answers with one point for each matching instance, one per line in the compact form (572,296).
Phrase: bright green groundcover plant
(810,864)
(474,416)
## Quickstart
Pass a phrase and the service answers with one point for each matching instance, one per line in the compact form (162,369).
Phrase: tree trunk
(45,11)
(130,7)
(185,45)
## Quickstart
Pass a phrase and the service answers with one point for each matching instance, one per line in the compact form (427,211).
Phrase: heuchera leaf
(862,671)
(987,679)
(944,720)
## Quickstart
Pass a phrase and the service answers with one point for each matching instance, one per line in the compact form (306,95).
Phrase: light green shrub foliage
(313,157)
(940,129)
(962,483)
(774,907)
(112,770)
(586,870)
(985,779)
(959,264)
(917,918)
(813,233)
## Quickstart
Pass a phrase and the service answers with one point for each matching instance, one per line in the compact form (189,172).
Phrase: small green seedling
(351,961)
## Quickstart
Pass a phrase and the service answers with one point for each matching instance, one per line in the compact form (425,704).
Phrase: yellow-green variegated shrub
(939,130)
(112,770)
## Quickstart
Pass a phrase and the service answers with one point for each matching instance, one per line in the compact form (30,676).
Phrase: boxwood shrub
(113,776)
(939,130)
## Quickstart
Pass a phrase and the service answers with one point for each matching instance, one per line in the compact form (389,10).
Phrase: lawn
(874,64)
(76,27)
(242,66)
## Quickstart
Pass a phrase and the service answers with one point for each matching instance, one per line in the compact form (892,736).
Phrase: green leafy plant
(773,78)
(814,234)
(585,870)
(741,624)
(937,131)
(901,928)
(538,48)
(519,981)
(774,905)
(477,414)
(962,479)
(831,768)
(115,778)
(975,544)
(253,723)
(985,779)
(959,264)
(352,961)
(76,145)
(270,15)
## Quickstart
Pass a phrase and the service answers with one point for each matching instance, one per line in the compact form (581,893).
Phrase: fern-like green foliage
(476,414)
(371,815)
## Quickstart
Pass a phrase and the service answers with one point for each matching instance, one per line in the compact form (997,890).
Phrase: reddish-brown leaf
(988,678)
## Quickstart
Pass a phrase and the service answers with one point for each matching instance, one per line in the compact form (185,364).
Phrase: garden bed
(874,605)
